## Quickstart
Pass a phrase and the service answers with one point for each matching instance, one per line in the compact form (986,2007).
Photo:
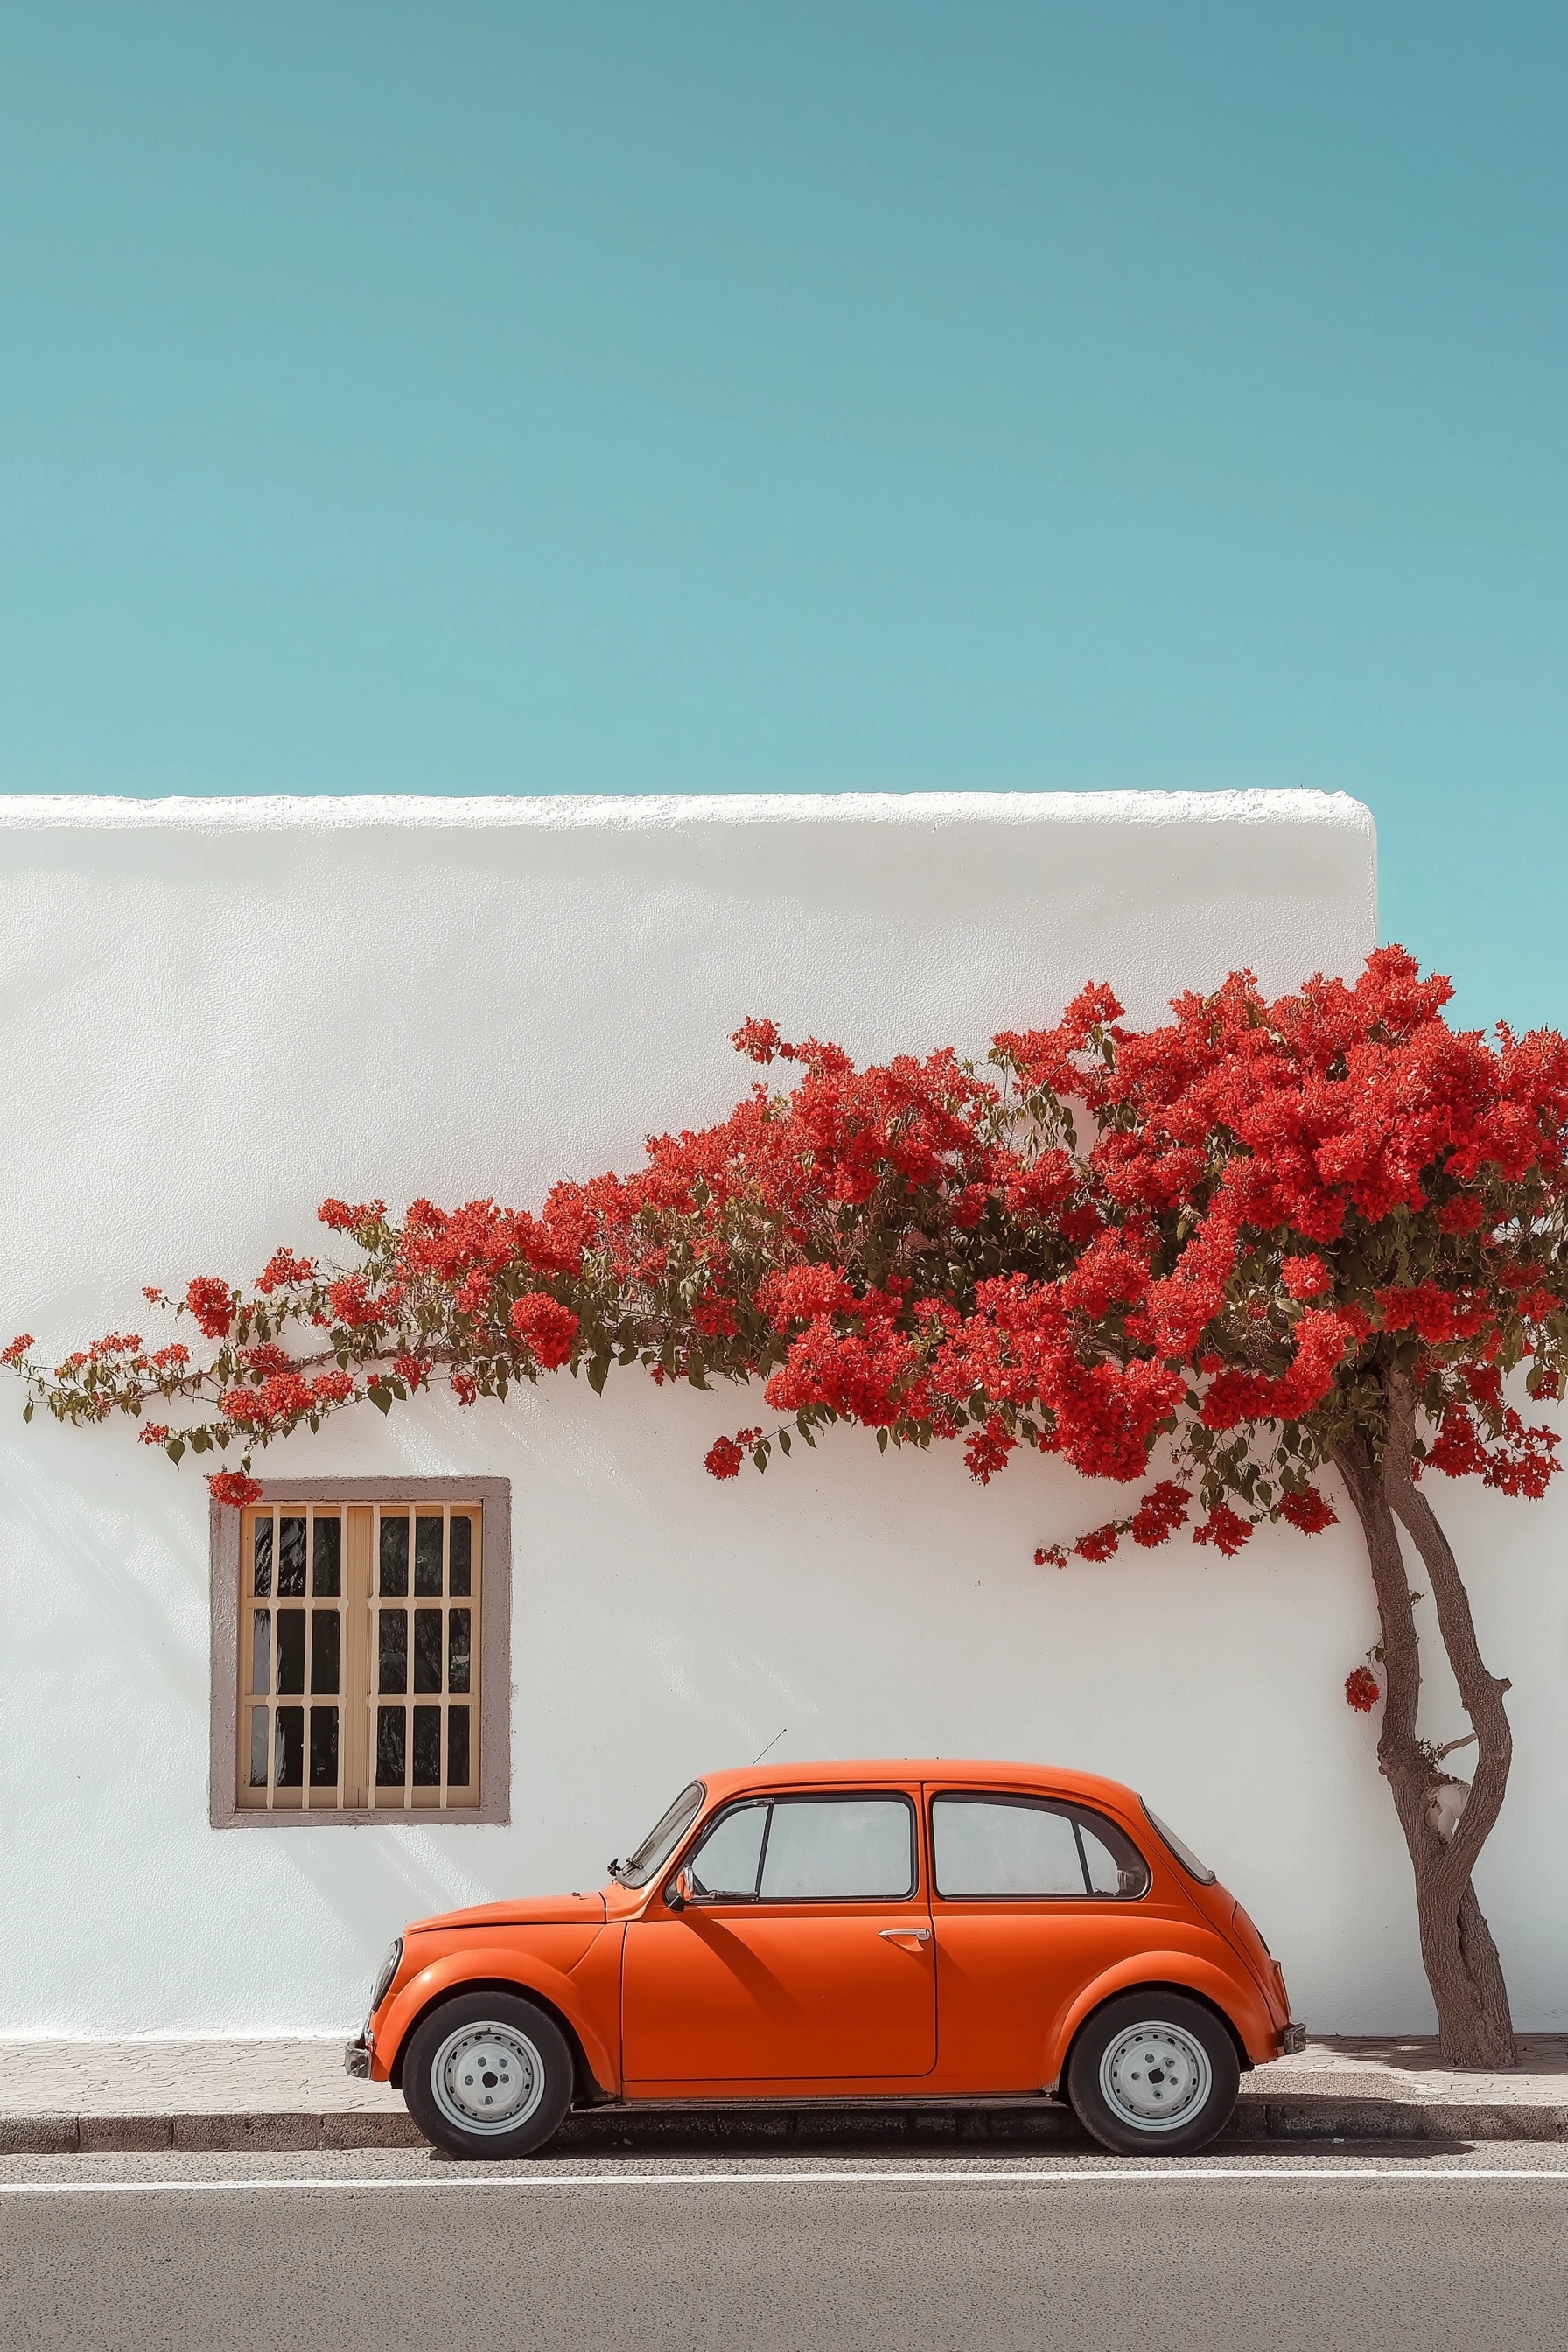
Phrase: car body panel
(740,1998)
(530,1911)
(536,1960)
(723,1993)
(1226,1988)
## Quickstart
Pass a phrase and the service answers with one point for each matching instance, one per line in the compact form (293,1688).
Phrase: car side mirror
(681,1890)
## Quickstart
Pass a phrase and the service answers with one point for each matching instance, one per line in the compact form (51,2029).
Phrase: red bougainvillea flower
(725,1455)
(1362,1689)
(546,1326)
(1309,1510)
(759,1040)
(19,1348)
(350,1216)
(283,1271)
(211,1302)
(233,1487)
(1306,1278)
(1224,1529)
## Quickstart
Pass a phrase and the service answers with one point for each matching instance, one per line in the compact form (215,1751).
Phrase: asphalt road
(1335,2252)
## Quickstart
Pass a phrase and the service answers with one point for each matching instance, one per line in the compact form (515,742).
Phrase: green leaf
(175,1448)
(379,1397)
(27,1410)
(598,1372)
(200,1441)
(882,1441)
(502,1389)
(784,1440)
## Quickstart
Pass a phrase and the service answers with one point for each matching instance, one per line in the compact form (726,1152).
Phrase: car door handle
(920,1935)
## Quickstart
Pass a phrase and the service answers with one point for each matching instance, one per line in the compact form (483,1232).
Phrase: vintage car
(898,1932)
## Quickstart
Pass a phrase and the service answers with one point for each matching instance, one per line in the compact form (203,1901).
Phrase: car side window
(727,1861)
(1002,1845)
(821,1847)
(800,1850)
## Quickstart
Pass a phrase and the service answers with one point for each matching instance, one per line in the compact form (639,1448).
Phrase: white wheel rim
(1156,2077)
(487,2078)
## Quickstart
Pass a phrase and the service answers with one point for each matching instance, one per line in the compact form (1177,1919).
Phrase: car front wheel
(487,2075)
(1153,2075)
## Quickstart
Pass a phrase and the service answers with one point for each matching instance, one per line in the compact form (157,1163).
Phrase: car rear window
(999,1846)
(1184,1852)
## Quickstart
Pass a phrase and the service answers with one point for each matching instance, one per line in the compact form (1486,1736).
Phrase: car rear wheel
(1153,2075)
(488,2075)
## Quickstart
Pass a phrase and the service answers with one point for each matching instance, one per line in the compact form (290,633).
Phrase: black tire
(517,2062)
(1141,2050)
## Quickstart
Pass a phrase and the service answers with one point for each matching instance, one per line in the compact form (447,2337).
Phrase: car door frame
(916,1904)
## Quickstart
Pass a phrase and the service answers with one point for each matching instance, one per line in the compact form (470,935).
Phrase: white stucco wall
(215,1014)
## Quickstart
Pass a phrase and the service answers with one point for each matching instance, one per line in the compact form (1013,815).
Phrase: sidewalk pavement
(69,2097)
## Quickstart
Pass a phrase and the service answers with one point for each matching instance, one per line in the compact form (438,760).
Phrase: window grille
(359,1656)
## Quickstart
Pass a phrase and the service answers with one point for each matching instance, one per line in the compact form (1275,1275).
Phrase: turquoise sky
(501,398)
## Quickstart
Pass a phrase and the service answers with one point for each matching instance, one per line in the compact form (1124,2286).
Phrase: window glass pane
(426,1747)
(428,1649)
(1115,1865)
(323,1747)
(258,1748)
(457,1769)
(261,1657)
(327,1560)
(427,1556)
(261,1583)
(289,1762)
(460,1567)
(662,1839)
(986,1846)
(291,1559)
(391,1727)
(726,1860)
(1183,1852)
(291,1649)
(395,1557)
(458,1656)
(826,1846)
(325,1649)
(392,1657)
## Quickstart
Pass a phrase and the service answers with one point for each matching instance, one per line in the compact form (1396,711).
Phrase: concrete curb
(691,2131)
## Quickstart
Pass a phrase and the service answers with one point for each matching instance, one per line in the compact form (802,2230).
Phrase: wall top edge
(638,813)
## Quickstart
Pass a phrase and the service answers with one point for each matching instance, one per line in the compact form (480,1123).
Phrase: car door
(1032,1897)
(806,1957)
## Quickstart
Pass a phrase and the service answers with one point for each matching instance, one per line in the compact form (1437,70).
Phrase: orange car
(897,1931)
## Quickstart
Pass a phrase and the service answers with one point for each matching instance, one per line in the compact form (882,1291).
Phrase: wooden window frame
(493,1689)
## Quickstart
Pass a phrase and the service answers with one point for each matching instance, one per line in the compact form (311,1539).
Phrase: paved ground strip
(66,2097)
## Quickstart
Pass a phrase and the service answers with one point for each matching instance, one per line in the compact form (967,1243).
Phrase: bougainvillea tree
(1218,1260)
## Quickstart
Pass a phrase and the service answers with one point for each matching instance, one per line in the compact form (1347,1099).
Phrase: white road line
(1169,2174)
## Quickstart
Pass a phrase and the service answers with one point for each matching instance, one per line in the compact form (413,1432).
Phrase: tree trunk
(1457,1947)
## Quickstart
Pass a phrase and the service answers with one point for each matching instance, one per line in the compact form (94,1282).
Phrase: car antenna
(762,1751)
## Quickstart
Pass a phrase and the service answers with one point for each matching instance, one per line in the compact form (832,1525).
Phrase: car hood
(527,1911)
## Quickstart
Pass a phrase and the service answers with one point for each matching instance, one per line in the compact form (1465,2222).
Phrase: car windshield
(1184,1854)
(661,1840)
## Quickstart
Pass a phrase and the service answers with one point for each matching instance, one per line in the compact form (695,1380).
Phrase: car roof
(955,1771)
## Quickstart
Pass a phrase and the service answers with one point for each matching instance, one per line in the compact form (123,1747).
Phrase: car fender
(1239,2002)
(490,1964)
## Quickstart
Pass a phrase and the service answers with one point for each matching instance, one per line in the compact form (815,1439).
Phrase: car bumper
(356,2058)
(1292,2041)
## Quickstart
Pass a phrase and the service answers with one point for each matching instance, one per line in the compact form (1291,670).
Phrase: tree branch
(1480,1691)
